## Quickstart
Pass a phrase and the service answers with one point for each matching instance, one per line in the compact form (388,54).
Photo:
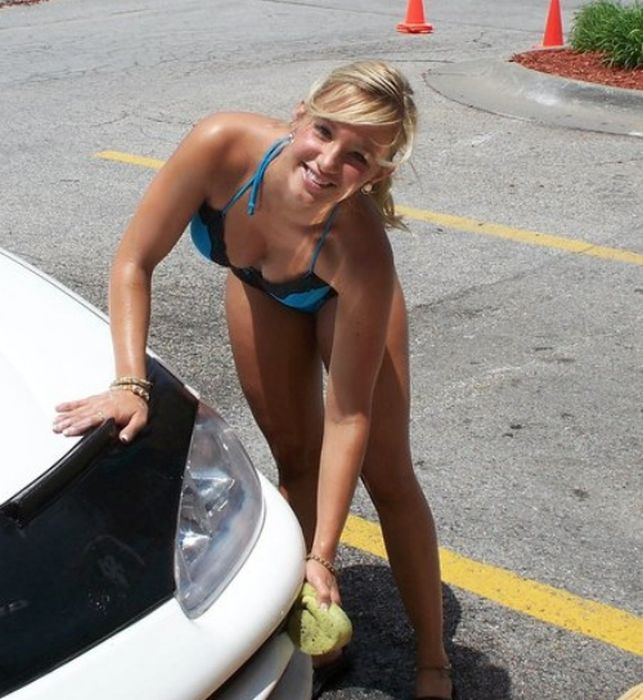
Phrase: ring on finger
(101,416)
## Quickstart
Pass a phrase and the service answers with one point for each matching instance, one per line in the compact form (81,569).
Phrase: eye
(359,158)
(322,130)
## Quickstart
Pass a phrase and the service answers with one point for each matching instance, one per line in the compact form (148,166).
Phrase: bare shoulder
(220,151)
(232,138)
(362,244)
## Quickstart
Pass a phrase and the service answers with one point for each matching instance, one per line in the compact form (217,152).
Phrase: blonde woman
(298,213)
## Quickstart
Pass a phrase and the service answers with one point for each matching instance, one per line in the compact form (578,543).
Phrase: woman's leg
(280,372)
(405,517)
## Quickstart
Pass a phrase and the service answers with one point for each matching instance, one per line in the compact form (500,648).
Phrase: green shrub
(611,28)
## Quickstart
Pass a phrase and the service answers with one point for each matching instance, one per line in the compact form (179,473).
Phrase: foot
(434,683)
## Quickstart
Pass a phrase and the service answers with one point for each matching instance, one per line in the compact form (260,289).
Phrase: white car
(162,570)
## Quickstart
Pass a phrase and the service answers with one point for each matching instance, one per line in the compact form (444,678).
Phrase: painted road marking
(131,159)
(546,603)
(635,693)
(569,245)
(459,223)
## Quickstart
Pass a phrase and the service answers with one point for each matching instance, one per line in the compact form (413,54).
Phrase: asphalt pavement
(525,322)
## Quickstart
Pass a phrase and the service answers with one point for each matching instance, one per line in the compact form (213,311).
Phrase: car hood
(43,326)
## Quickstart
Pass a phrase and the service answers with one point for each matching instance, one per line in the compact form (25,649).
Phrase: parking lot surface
(523,270)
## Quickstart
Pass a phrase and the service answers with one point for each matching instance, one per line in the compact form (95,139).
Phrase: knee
(391,490)
(296,457)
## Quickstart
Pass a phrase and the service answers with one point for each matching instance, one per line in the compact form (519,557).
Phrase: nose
(329,159)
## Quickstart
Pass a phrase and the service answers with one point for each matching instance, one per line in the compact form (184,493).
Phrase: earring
(367,188)
(291,137)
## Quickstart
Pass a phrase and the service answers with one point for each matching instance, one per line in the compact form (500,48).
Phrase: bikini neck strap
(257,179)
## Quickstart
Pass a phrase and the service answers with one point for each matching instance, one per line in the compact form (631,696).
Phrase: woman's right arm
(174,195)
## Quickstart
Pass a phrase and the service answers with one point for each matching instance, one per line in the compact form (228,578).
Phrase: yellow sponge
(316,631)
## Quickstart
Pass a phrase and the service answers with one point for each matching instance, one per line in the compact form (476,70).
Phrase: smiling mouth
(311,176)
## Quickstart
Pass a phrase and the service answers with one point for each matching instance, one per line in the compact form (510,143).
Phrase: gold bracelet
(324,562)
(136,381)
(134,388)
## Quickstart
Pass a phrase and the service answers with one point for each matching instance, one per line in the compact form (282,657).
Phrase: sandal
(445,671)
(326,675)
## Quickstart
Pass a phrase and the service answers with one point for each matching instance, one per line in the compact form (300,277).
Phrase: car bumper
(167,656)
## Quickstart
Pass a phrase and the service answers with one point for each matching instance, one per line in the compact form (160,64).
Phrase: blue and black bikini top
(305,293)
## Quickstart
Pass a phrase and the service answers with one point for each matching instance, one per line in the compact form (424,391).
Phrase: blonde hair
(370,93)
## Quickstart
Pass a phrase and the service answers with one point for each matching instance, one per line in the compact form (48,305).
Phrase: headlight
(220,514)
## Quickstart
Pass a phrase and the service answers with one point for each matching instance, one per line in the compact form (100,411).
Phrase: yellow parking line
(569,245)
(131,159)
(460,223)
(546,603)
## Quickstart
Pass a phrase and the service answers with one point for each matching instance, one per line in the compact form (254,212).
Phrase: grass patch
(613,29)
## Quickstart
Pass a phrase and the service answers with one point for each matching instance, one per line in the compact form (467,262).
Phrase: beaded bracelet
(320,560)
(134,388)
(136,381)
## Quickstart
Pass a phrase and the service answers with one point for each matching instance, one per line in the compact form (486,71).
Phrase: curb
(510,89)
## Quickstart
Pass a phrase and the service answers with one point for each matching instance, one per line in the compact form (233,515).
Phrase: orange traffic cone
(554,26)
(414,22)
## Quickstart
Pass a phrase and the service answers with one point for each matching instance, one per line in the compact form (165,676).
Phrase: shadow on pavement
(382,650)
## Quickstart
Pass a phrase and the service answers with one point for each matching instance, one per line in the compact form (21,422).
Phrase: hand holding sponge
(315,630)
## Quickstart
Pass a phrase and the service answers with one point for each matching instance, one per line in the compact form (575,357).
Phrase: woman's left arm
(361,322)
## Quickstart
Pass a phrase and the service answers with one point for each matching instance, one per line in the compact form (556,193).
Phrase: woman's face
(334,160)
